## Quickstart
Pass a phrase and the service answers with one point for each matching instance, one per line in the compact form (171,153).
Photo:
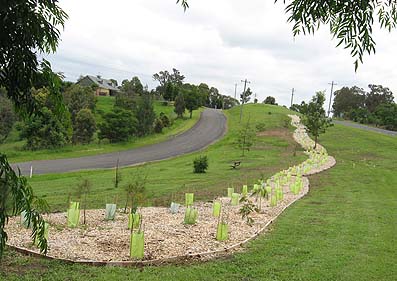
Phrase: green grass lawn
(15,152)
(344,229)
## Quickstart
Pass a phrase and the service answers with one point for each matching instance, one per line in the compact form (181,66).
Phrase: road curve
(210,127)
(364,127)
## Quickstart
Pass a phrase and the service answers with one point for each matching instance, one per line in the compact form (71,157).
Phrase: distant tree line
(188,96)
(376,107)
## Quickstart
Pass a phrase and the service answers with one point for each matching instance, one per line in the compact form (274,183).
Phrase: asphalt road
(364,127)
(210,127)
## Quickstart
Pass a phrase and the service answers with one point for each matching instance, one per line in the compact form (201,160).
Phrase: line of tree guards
(376,107)
(133,114)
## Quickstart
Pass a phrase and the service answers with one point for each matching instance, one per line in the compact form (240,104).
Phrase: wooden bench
(235,164)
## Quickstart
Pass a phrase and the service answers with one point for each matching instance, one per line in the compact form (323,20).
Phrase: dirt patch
(278,132)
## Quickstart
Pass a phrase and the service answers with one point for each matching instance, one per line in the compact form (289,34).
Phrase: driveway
(210,127)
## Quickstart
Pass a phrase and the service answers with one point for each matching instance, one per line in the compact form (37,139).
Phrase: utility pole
(330,97)
(235,91)
(243,99)
(292,96)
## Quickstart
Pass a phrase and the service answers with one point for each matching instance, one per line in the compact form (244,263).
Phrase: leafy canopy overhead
(28,28)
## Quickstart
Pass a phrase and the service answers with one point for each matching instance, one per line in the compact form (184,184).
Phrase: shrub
(84,127)
(165,120)
(145,115)
(158,126)
(200,164)
(45,131)
(118,125)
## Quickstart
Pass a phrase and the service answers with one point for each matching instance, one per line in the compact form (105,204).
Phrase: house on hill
(106,87)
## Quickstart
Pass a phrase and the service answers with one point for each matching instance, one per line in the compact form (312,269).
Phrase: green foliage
(7,116)
(387,115)
(246,97)
(135,191)
(32,26)
(170,92)
(246,137)
(84,127)
(158,125)
(132,87)
(129,92)
(77,98)
(314,117)
(82,191)
(191,97)
(118,125)
(179,105)
(145,115)
(168,83)
(348,99)
(45,131)
(270,100)
(247,209)
(16,196)
(184,4)
(378,95)
(28,28)
(375,107)
(200,164)
(165,120)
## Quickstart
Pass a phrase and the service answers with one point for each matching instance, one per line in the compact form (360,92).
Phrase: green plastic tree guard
(273,200)
(216,209)
(110,212)
(230,191)
(134,220)
(137,247)
(191,215)
(256,187)
(279,194)
(189,199)
(235,199)
(46,227)
(222,231)
(245,190)
(73,214)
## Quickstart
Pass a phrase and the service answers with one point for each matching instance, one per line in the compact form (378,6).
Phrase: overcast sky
(216,42)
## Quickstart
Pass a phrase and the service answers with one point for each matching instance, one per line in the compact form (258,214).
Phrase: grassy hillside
(344,229)
(15,152)
(173,177)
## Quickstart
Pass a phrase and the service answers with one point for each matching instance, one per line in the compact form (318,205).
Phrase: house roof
(103,83)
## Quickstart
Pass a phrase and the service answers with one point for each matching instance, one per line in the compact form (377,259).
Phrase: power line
(243,99)
(330,97)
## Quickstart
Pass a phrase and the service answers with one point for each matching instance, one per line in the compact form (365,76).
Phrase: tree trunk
(191,113)
(315,142)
